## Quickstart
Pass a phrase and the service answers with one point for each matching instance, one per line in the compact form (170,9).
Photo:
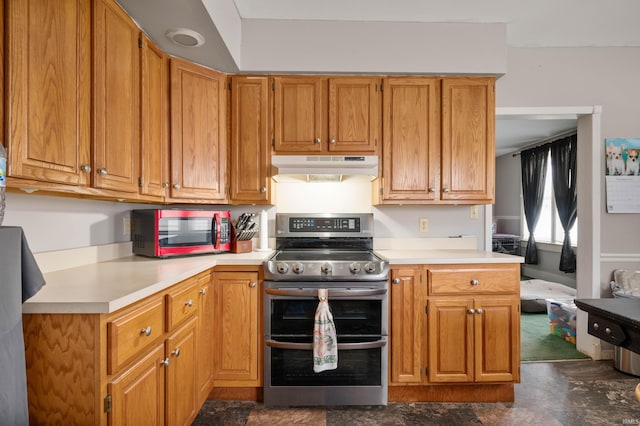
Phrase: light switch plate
(423,224)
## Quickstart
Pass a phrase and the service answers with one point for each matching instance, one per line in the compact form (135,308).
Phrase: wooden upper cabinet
(198,133)
(298,114)
(468,139)
(48,92)
(354,114)
(411,146)
(250,144)
(116,101)
(154,144)
(326,115)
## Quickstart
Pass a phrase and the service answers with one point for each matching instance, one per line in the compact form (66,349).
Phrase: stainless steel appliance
(332,251)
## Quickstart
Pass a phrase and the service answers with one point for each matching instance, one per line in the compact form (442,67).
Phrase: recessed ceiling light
(185,37)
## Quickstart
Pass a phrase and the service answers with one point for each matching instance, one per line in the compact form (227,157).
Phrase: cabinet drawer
(467,279)
(132,332)
(182,302)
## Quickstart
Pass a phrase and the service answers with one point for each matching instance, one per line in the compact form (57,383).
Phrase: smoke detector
(185,37)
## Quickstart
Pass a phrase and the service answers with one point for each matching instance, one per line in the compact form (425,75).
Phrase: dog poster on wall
(622,175)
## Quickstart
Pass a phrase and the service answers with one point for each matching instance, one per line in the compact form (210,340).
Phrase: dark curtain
(534,170)
(563,171)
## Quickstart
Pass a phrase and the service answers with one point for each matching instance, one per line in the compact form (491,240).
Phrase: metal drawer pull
(332,293)
(203,291)
(146,331)
(189,303)
(102,172)
(596,326)
(165,362)
(471,311)
(479,311)
(341,346)
(176,352)
(475,282)
(252,284)
(607,330)
(396,280)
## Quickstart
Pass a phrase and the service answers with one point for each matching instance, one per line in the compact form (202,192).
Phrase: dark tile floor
(551,393)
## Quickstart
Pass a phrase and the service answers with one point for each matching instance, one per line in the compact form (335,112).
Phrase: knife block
(241,246)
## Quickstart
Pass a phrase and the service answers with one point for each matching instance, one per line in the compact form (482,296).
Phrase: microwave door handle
(215,230)
(341,346)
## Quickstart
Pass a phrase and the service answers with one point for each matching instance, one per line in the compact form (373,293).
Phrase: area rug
(537,344)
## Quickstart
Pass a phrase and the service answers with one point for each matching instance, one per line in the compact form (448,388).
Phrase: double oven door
(360,313)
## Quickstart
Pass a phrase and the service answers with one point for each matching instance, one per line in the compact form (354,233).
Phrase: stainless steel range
(333,252)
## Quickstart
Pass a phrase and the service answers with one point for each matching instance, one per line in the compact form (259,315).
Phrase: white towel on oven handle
(325,343)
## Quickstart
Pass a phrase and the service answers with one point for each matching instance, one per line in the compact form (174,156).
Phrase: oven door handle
(341,346)
(331,293)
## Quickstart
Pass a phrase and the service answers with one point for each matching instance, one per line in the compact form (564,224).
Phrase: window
(549,229)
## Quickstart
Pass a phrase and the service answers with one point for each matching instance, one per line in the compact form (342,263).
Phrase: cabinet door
(298,114)
(407,315)
(116,101)
(497,339)
(451,333)
(250,146)
(181,379)
(198,137)
(237,332)
(205,345)
(411,123)
(468,139)
(154,144)
(354,114)
(48,92)
(137,395)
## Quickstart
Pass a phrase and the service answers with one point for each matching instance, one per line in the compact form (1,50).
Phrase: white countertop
(105,287)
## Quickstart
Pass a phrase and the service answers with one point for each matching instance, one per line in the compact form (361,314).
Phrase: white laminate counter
(105,287)
(434,256)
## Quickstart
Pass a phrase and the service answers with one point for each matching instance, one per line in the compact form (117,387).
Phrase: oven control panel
(311,224)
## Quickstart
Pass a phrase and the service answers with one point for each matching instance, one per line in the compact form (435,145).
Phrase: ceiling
(542,23)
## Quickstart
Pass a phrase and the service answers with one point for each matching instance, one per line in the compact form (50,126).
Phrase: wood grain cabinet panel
(48,91)
(198,133)
(181,375)
(250,151)
(182,302)
(205,343)
(407,342)
(237,334)
(154,143)
(116,99)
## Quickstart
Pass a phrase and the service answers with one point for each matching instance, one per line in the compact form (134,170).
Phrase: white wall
(508,195)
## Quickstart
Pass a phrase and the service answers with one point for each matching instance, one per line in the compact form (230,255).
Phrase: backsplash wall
(58,223)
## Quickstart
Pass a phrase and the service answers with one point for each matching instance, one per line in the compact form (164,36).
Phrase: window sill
(552,247)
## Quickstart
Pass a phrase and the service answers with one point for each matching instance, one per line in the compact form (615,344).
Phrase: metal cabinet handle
(596,326)
(165,362)
(102,172)
(176,352)
(479,311)
(317,140)
(607,330)
(474,282)
(189,303)
(165,185)
(471,311)
(85,168)
(176,186)
(445,190)
(146,331)
(332,140)
(432,189)
(203,291)
(396,280)
(252,284)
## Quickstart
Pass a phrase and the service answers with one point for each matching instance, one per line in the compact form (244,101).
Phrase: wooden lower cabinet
(452,326)
(143,364)
(238,325)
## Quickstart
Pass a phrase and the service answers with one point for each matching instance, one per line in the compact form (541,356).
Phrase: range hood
(324,167)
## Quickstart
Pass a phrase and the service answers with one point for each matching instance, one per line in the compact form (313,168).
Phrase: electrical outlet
(126,226)
(423,224)
(473,212)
